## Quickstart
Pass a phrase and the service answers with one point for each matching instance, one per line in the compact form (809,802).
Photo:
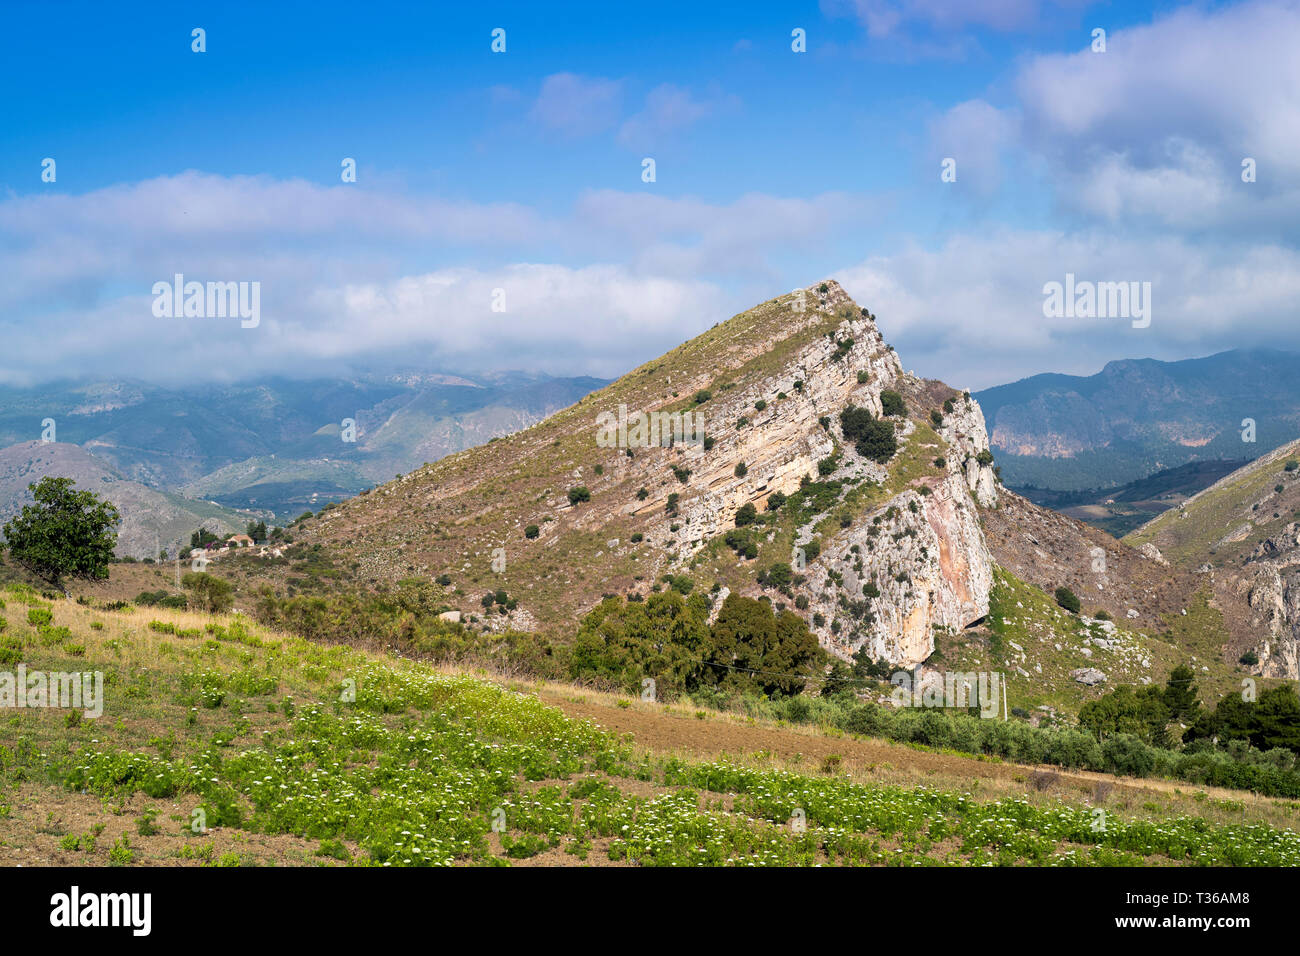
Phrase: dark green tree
(872,438)
(839,682)
(202,538)
(1180,694)
(65,533)
(1141,713)
(1068,599)
(750,648)
(891,403)
(211,593)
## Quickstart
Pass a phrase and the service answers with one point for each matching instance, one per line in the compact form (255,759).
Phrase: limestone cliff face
(968,439)
(916,562)
(1270,581)
(786,441)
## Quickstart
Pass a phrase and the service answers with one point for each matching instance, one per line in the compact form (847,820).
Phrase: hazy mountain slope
(151,519)
(277,445)
(166,437)
(434,424)
(285,486)
(1137,416)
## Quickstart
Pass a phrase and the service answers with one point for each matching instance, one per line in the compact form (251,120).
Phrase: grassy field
(222,743)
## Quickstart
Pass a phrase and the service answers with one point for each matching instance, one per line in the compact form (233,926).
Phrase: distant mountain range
(275,448)
(1139,416)
(152,519)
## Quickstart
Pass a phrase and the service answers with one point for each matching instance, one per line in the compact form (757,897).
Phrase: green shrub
(891,403)
(1068,599)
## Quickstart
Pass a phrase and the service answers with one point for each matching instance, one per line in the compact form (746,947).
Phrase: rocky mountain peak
(725,461)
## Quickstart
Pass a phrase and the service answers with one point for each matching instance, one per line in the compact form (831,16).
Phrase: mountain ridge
(1139,416)
(772,383)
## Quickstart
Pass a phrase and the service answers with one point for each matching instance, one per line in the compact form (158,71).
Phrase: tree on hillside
(1272,721)
(624,642)
(211,593)
(750,648)
(1068,599)
(1141,713)
(65,533)
(872,438)
(202,538)
(1180,694)
(891,403)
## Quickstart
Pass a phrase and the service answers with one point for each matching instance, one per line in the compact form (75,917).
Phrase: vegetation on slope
(1230,517)
(214,728)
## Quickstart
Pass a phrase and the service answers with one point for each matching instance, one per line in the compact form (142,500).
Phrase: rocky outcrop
(784,441)
(1270,582)
(968,441)
(582,506)
(916,564)
(1150,551)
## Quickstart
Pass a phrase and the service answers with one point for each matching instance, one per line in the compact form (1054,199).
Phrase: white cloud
(970,311)
(1154,130)
(975,134)
(667,109)
(595,319)
(351,274)
(576,105)
(883,18)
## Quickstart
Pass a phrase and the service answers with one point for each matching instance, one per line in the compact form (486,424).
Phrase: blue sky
(521,171)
